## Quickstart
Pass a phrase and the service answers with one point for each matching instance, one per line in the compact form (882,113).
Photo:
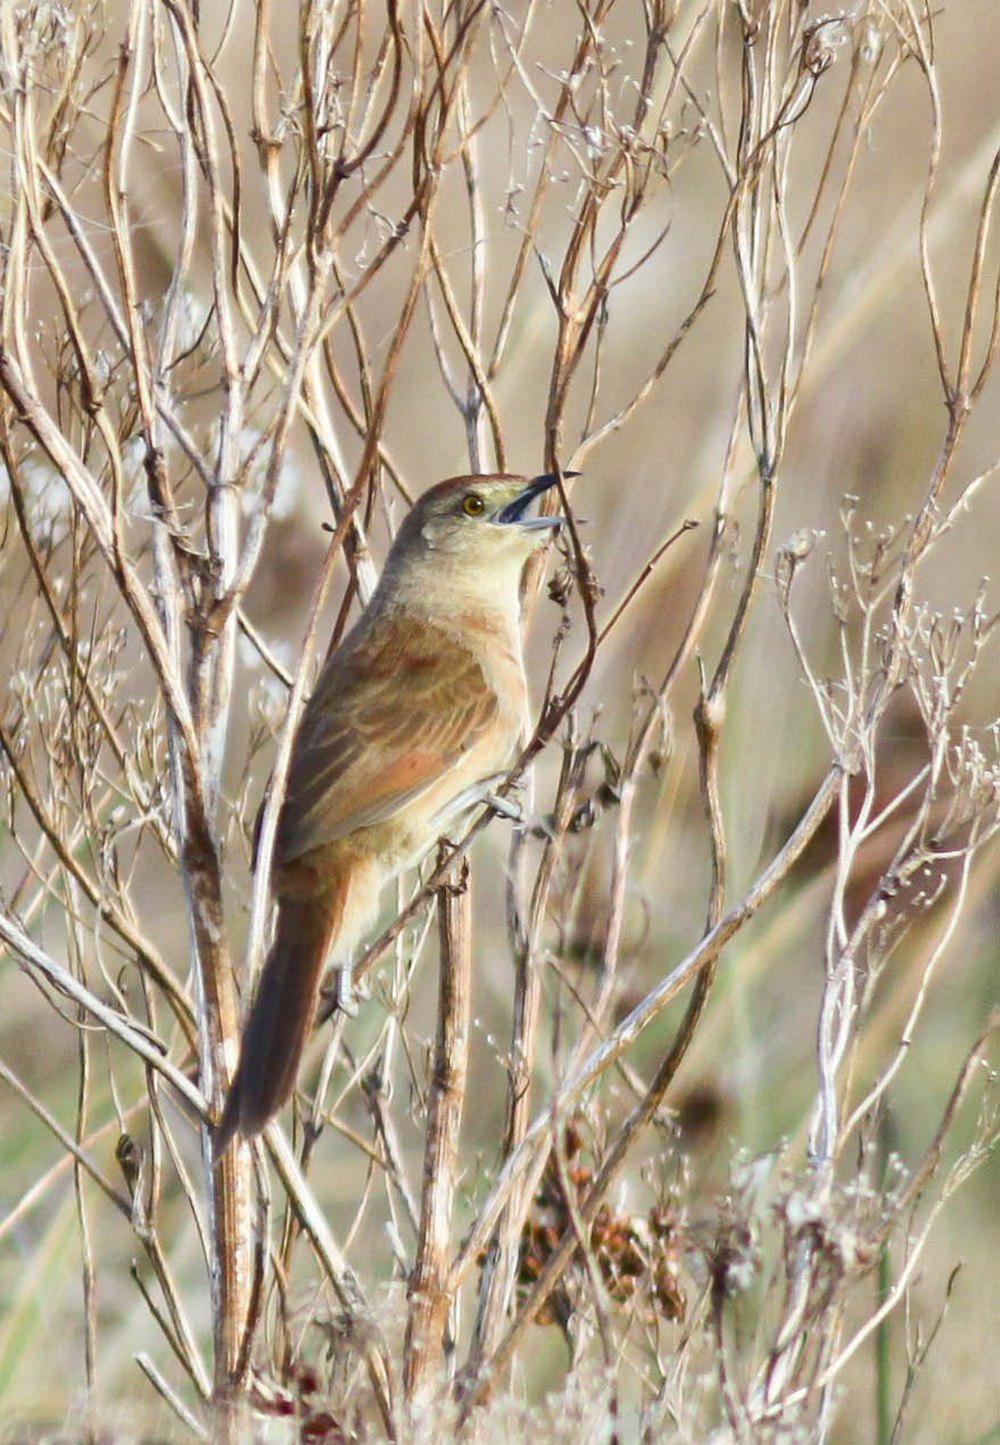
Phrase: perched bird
(421,704)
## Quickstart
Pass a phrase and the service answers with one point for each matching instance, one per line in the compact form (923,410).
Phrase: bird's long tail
(281,1018)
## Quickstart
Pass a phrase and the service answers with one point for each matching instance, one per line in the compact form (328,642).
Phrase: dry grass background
(869,423)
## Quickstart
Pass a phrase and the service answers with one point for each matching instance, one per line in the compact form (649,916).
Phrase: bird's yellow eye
(473,505)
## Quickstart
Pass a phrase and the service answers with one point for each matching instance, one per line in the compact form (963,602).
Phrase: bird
(419,709)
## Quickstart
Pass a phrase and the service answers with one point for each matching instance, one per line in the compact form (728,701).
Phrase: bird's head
(482,520)
(466,541)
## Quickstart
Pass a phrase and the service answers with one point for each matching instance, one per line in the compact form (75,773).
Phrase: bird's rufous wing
(394,709)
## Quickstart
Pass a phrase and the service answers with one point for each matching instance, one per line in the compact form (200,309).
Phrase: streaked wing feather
(393,710)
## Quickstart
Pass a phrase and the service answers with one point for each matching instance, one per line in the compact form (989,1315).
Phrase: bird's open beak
(514,511)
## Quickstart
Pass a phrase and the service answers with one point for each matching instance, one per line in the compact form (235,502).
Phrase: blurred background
(869,423)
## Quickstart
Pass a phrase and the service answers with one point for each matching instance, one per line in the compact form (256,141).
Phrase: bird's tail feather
(281,1018)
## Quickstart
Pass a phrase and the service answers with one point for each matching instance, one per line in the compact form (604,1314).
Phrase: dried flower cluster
(635,1253)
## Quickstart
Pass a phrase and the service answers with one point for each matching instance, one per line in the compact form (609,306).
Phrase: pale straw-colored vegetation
(668,1113)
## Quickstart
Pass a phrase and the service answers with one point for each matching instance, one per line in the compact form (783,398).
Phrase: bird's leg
(475,796)
(343,991)
(506,807)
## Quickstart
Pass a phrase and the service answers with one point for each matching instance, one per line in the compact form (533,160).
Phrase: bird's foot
(506,807)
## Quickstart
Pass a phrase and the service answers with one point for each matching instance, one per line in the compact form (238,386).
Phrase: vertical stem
(883,1402)
(89,1273)
(229,1179)
(430,1299)
(883,1288)
(499,1272)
